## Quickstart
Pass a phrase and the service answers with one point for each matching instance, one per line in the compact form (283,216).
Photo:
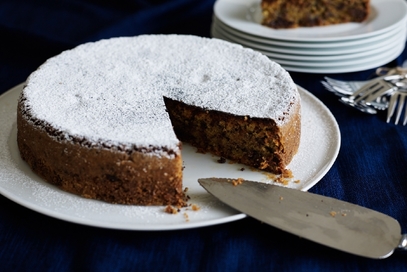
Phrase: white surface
(327,65)
(360,66)
(320,143)
(108,103)
(353,62)
(245,16)
(329,47)
(312,52)
(386,48)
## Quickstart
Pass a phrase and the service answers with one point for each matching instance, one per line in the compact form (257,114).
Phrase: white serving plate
(245,16)
(320,143)
(320,55)
(328,46)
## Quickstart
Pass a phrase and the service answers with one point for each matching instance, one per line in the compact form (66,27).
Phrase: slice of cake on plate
(309,13)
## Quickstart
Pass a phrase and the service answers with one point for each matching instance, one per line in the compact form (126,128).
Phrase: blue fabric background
(371,169)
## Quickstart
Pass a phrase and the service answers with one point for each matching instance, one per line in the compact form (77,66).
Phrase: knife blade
(325,220)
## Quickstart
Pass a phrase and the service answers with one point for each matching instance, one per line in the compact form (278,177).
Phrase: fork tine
(405,118)
(371,92)
(347,90)
(392,106)
(344,86)
(400,106)
(368,86)
(328,86)
(380,91)
(397,105)
(332,88)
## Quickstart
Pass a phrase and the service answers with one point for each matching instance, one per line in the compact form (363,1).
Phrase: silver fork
(366,93)
(370,95)
(397,99)
(341,87)
(371,91)
(347,88)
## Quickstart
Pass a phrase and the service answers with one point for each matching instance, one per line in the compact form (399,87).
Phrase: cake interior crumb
(170,209)
(175,210)
(333,213)
(237,181)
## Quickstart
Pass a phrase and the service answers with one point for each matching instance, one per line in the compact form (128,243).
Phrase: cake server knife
(328,221)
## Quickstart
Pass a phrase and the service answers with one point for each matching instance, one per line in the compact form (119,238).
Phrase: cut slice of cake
(299,13)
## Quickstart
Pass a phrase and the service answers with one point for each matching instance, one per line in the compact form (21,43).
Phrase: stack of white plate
(329,49)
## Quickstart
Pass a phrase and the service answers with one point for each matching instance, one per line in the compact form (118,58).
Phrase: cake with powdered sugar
(106,120)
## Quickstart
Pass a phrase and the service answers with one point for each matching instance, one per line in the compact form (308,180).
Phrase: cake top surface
(111,91)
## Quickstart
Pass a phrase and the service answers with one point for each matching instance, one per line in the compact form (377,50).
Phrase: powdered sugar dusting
(318,149)
(112,91)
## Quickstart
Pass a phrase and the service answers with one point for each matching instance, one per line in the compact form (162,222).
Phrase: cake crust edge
(112,176)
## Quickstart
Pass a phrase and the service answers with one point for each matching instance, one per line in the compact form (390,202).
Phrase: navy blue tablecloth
(371,168)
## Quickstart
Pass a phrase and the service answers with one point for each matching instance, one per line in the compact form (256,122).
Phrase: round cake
(106,120)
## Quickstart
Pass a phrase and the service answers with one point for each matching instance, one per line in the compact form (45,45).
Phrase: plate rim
(272,34)
(333,45)
(378,57)
(377,48)
(347,68)
(185,225)
(301,66)
(309,50)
